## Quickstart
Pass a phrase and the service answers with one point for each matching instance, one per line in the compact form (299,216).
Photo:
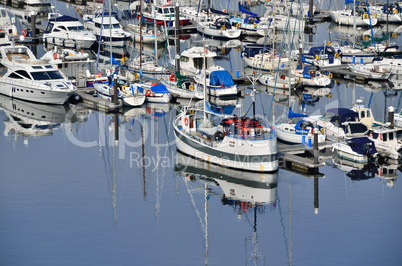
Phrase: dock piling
(114,89)
(391,116)
(315,145)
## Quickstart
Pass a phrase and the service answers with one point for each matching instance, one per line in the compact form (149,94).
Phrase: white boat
(387,143)
(221,28)
(183,87)
(219,82)
(370,71)
(359,150)
(349,55)
(7,23)
(75,66)
(250,25)
(346,17)
(311,76)
(127,94)
(147,66)
(157,93)
(393,65)
(280,79)
(163,14)
(238,143)
(298,133)
(322,56)
(69,32)
(384,13)
(108,26)
(268,61)
(147,35)
(24,77)
(340,123)
(192,60)
(281,23)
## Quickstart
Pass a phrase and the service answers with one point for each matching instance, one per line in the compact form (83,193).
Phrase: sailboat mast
(155,34)
(141,37)
(205,83)
(110,32)
(354,23)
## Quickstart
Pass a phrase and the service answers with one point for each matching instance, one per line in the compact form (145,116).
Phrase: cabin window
(14,76)
(362,114)
(368,114)
(76,28)
(384,137)
(160,10)
(172,10)
(56,30)
(184,59)
(98,25)
(23,73)
(199,63)
(47,75)
(391,136)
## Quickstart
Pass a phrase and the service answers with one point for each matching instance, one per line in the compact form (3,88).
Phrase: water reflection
(246,192)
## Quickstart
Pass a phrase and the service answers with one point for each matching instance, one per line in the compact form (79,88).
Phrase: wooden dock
(91,100)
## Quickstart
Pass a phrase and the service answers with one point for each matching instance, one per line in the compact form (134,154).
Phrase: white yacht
(221,28)
(192,60)
(7,23)
(67,31)
(107,26)
(25,77)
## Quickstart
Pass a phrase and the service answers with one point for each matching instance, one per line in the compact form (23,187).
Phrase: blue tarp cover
(220,110)
(292,114)
(64,18)
(242,9)
(362,145)
(160,88)
(220,77)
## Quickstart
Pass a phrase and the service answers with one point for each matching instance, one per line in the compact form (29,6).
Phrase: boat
(147,35)
(322,56)
(105,27)
(147,66)
(69,32)
(219,82)
(340,123)
(249,22)
(268,61)
(25,77)
(311,76)
(387,144)
(347,17)
(127,94)
(7,23)
(350,54)
(163,14)
(157,93)
(386,13)
(278,80)
(192,60)
(75,66)
(300,132)
(182,87)
(221,28)
(370,71)
(359,150)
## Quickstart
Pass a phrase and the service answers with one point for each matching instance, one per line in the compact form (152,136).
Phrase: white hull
(70,43)
(203,28)
(342,150)
(268,63)
(292,137)
(343,17)
(280,81)
(126,98)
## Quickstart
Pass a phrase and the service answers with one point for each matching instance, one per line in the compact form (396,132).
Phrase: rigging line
(399,101)
(193,202)
(283,226)
(100,36)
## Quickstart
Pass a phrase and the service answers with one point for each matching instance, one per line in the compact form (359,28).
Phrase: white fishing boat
(219,82)
(370,71)
(106,28)
(147,35)
(359,150)
(25,77)
(76,66)
(192,60)
(127,94)
(69,32)
(340,123)
(280,79)
(311,76)
(221,28)
(157,93)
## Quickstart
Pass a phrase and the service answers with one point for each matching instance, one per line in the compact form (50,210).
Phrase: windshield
(46,75)
(114,26)
(76,28)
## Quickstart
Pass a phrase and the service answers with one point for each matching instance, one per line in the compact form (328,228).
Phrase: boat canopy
(362,145)
(317,50)
(338,116)
(242,9)
(221,78)
(293,115)
(159,88)
(63,19)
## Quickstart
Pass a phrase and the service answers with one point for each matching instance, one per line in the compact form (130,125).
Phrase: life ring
(54,56)
(24,32)
(238,25)
(186,121)
(336,55)
(172,77)
(148,92)
(191,87)
(330,95)
(330,75)
(255,25)
(223,27)
(243,133)
(365,16)
(329,43)
(316,56)
(322,130)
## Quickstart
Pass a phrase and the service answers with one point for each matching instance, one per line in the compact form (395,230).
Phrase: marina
(251,134)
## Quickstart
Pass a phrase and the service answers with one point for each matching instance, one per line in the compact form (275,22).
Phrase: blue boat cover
(216,11)
(63,18)
(159,88)
(342,115)
(221,78)
(219,109)
(242,9)
(362,145)
(292,114)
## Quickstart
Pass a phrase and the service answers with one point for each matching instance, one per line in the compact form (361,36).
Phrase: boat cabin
(221,23)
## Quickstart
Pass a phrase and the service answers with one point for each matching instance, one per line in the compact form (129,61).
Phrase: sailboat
(236,142)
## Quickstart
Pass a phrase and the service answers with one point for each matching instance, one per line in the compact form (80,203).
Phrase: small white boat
(164,14)
(148,34)
(349,55)
(311,76)
(268,61)
(359,150)
(384,13)
(183,87)
(147,66)
(322,56)
(127,94)
(192,60)
(221,28)
(280,79)
(387,143)
(219,82)
(370,71)
(25,77)
(157,93)
(298,133)
(67,31)
(7,23)
(346,17)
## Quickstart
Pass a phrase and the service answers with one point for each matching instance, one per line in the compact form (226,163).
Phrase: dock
(91,100)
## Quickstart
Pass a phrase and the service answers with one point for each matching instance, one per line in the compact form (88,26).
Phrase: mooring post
(316,195)
(116,129)
(177,28)
(391,116)
(315,145)
(114,89)
(300,56)
(33,32)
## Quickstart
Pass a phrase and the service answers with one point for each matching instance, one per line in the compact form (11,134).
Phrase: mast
(110,32)
(141,37)
(155,34)
(354,23)
(205,82)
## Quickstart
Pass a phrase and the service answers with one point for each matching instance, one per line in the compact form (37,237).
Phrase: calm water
(70,196)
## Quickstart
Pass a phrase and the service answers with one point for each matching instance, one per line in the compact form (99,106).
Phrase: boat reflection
(35,120)
(355,171)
